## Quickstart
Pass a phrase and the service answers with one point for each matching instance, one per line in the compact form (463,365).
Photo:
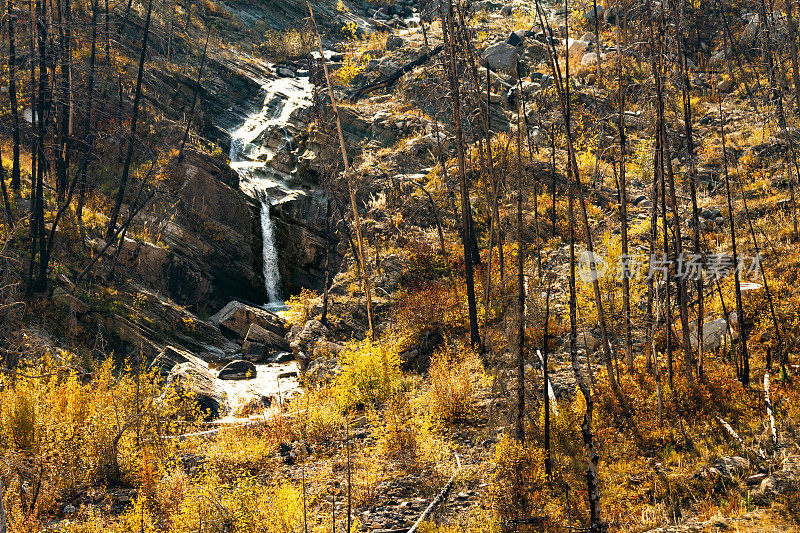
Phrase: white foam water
(272,276)
(251,157)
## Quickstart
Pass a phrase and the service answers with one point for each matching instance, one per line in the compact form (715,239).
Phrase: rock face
(260,343)
(785,480)
(196,379)
(235,320)
(237,370)
(208,252)
(172,356)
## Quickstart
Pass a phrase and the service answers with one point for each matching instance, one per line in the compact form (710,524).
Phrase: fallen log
(439,498)
(757,451)
(550,391)
(389,81)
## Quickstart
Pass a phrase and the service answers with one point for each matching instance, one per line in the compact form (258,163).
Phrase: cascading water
(272,277)
(254,146)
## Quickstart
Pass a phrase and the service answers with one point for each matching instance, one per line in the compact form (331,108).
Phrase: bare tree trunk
(6,202)
(548,468)
(112,223)
(744,374)
(466,232)
(520,341)
(592,490)
(793,50)
(90,135)
(37,183)
(326,291)
(687,119)
(623,202)
(354,206)
(2,512)
(658,174)
(12,96)
(562,88)
(62,159)
(194,96)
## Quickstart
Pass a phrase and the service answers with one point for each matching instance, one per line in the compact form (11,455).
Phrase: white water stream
(255,154)
(254,145)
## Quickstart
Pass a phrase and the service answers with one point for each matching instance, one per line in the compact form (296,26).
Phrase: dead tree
(12,97)
(623,201)
(351,189)
(194,97)
(112,222)
(466,229)
(744,367)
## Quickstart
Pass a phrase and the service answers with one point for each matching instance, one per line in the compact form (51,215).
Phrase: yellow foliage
(370,373)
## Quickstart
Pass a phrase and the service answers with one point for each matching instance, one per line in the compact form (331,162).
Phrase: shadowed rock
(236,370)
(235,319)
(260,343)
(193,378)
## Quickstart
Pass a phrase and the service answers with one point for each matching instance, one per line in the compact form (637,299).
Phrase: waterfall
(254,144)
(272,278)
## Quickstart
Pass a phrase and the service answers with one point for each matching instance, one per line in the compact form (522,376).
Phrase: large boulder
(259,343)
(304,340)
(196,379)
(235,319)
(782,481)
(593,14)
(576,47)
(714,332)
(501,57)
(589,59)
(172,356)
(237,370)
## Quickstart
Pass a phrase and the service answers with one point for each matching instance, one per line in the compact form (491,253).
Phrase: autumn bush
(89,428)
(517,487)
(451,393)
(370,373)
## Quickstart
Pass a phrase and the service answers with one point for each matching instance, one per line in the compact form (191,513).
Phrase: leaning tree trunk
(744,373)
(112,222)
(351,189)
(12,97)
(623,203)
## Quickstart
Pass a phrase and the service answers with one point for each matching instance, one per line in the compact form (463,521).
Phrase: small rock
(515,39)
(726,85)
(394,42)
(506,10)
